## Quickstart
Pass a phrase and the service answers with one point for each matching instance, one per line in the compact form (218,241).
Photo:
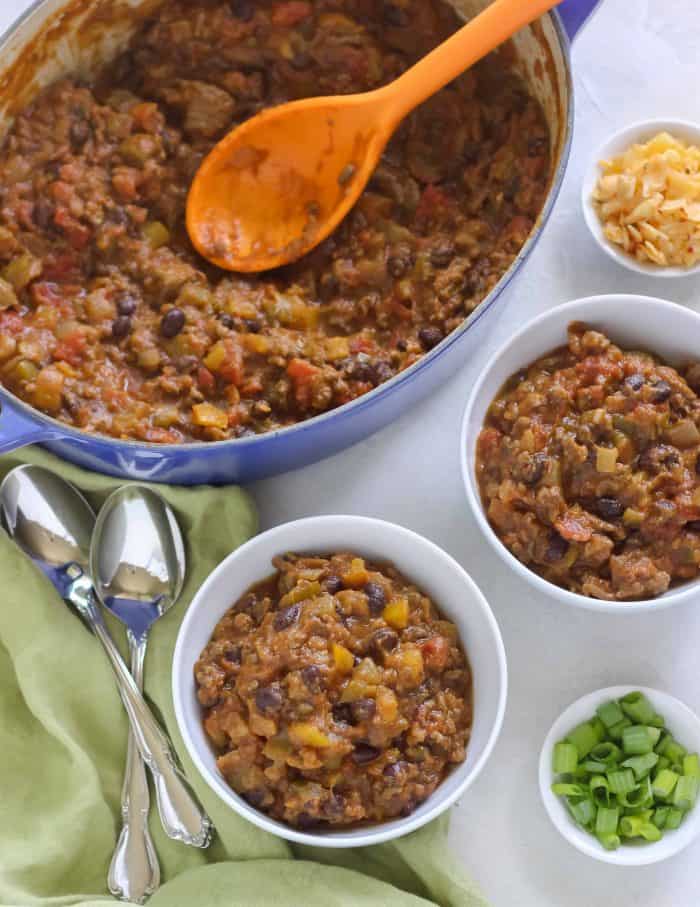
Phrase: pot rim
(64,432)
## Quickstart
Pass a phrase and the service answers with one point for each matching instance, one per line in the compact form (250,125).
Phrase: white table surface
(636,59)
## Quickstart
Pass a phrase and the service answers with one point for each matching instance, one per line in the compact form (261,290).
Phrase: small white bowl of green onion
(619,775)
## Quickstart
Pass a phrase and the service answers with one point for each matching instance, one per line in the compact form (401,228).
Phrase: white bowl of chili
(684,727)
(665,329)
(432,571)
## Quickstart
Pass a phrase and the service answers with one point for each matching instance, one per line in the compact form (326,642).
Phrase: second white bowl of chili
(658,466)
(435,575)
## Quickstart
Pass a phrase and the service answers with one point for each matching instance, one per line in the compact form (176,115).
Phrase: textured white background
(636,59)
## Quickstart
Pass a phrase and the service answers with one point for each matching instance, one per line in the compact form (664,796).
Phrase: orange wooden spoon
(279,183)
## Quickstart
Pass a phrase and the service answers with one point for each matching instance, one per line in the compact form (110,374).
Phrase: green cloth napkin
(63,740)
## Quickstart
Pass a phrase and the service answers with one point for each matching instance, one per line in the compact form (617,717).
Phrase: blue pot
(544,50)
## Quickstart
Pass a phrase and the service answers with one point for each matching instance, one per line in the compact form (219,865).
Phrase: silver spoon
(137,562)
(52,522)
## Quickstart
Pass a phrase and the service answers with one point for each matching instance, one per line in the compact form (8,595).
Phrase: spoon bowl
(280,183)
(137,557)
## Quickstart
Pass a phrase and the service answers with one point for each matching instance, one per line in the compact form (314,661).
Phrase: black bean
(442,254)
(511,188)
(364,753)
(269,698)
(43,213)
(333,584)
(536,147)
(376,598)
(342,713)
(659,458)
(361,370)
(304,820)
(662,391)
(382,372)
(363,709)
(242,9)
(255,797)
(79,133)
(609,508)
(246,604)
(233,655)
(693,526)
(286,617)
(312,677)
(126,305)
(172,323)
(395,15)
(226,320)
(383,641)
(394,770)
(531,471)
(121,326)
(556,548)
(300,60)
(400,260)
(401,345)
(252,326)
(635,382)
(429,337)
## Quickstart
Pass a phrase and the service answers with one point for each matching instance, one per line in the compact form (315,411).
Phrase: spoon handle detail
(134,873)
(180,814)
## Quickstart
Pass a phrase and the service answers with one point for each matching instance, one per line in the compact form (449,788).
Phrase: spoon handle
(134,873)
(180,814)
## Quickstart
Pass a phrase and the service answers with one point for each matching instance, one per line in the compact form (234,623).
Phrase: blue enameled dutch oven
(55,37)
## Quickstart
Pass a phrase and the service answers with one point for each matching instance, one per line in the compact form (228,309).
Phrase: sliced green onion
(691,765)
(664,783)
(637,707)
(642,795)
(591,767)
(657,721)
(565,758)
(641,765)
(606,752)
(674,819)
(616,730)
(600,790)
(583,811)
(563,789)
(638,739)
(584,738)
(609,842)
(686,792)
(660,816)
(671,749)
(606,820)
(622,781)
(610,713)
(661,765)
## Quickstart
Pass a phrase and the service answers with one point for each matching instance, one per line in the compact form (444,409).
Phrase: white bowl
(637,133)
(633,322)
(683,723)
(432,570)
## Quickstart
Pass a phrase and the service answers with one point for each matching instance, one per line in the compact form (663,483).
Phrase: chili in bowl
(349,697)
(580,447)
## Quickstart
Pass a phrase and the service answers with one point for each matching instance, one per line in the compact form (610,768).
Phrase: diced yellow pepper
(409,662)
(387,705)
(216,357)
(303,733)
(22,270)
(606,459)
(396,613)
(343,658)
(337,348)
(8,297)
(632,517)
(207,415)
(357,575)
(257,343)
(156,233)
(300,593)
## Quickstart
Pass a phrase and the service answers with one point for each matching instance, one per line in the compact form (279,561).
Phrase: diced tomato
(435,652)
(431,201)
(78,234)
(59,265)
(70,349)
(399,309)
(489,442)
(232,368)
(597,370)
(125,181)
(289,14)
(573,528)
(251,387)
(147,116)
(301,371)
(361,344)
(10,322)
(46,293)
(205,379)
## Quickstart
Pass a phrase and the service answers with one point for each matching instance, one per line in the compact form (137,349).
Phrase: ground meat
(326,710)
(93,186)
(588,468)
